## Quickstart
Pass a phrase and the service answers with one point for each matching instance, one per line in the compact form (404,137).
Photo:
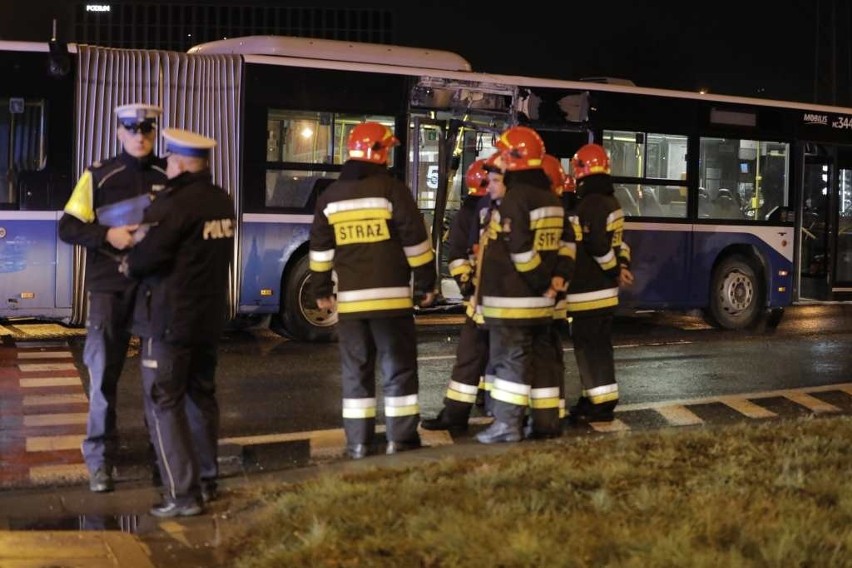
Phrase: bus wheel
(299,317)
(736,294)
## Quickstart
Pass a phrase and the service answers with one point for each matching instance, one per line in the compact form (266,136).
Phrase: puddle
(123,523)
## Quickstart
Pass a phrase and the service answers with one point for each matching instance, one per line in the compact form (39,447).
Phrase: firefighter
(183,264)
(521,275)
(592,297)
(367,228)
(129,177)
(472,351)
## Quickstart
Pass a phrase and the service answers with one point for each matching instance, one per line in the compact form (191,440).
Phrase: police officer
(120,184)
(592,296)
(183,263)
(367,228)
(521,275)
(472,351)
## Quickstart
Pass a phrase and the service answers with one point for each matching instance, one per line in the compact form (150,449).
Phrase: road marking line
(811,402)
(65,419)
(54,443)
(44,355)
(50,382)
(435,437)
(42,367)
(59,472)
(51,399)
(679,415)
(748,408)
(847,387)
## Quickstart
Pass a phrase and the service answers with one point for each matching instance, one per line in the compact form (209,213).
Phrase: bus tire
(299,318)
(736,294)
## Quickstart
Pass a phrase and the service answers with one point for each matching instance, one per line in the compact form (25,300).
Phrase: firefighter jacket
(104,183)
(367,228)
(594,289)
(460,241)
(522,252)
(184,261)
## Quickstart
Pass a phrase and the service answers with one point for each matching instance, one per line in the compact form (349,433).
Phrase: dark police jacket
(183,262)
(105,183)
(594,289)
(367,228)
(523,252)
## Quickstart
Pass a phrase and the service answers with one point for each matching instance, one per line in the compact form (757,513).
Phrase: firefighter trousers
(392,344)
(592,337)
(547,397)
(468,371)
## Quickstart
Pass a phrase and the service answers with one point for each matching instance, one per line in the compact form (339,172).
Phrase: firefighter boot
(452,419)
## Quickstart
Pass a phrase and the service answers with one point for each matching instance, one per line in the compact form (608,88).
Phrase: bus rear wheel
(736,294)
(299,318)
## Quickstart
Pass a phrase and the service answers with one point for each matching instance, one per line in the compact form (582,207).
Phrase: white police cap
(138,112)
(187,143)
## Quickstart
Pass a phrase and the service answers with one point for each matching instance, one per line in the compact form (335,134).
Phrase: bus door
(842,269)
(820,203)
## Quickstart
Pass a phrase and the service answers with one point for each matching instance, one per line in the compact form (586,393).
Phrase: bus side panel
(774,245)
(28,263)
(268,243)
(660,263)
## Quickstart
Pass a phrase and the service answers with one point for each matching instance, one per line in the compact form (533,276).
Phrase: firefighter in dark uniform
(472,351)
(125,179)
(592,297)
(522,273)
(367,228)
(183,264)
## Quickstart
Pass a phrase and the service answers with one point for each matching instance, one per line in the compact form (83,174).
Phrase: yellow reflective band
(510,398)
(574,306)
(517,313)
(356,232)
(410,410)
(358,215)
(81,202)
(359,413)
(320,266)
(461,397)
(609,263)
(459,268)
(544,403)
(547,239)
(568,249)
(421,259)
(373,305)
(547,223)
(600,399)
(531,264)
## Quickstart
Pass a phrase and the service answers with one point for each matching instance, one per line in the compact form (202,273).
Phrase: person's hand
(625,278)
(121,237)
(426,299)
(327,303)
(557,285)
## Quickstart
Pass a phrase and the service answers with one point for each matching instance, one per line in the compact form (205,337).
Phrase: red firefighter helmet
(590,159)
(570,185)
(369,142)
(521,148)
(555,173)
(477,178)
(493,164)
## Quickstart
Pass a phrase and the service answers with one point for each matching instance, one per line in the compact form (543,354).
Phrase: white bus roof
(336,50)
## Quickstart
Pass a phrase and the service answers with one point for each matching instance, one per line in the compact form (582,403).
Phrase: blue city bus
(735,206)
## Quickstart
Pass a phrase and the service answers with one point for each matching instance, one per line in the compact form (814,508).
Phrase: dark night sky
(753,48)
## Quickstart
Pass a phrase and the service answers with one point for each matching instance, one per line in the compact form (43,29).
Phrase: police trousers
(182,414)
(392,344)
(104,353)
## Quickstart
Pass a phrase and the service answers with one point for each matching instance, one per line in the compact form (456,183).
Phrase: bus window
(304,152)
(658,162)
(22,146)
(743,179)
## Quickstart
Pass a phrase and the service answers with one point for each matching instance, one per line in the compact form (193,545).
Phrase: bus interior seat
(725,207)
(627,201)
(649,205)
(704,204)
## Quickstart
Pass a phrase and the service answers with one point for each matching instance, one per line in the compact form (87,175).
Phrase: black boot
(454,425)
(584,413)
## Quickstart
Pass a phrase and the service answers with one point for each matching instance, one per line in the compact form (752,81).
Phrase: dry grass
(768,494)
